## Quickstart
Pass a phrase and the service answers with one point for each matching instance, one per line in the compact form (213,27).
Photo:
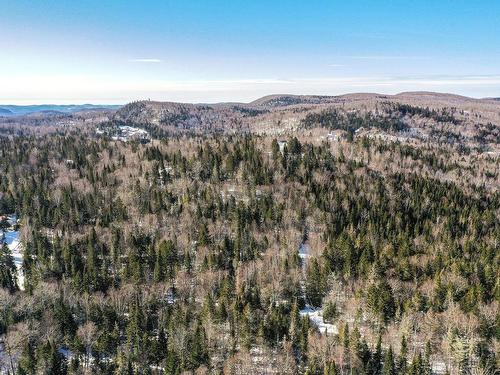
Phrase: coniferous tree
(402,362)
(389,367)
(8,271)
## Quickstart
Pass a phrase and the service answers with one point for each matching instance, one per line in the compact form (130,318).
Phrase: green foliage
(8,271)
(335,119)
(330,312)
(380,300)
(183,252)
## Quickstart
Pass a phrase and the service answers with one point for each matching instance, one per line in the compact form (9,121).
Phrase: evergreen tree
(27,362)
(8,271)
(315,284)
(402,358)
(389,366)
(375,365)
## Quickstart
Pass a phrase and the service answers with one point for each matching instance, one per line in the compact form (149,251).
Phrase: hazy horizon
(34,104)
(207,52)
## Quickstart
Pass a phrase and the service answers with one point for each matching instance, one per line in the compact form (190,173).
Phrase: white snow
(316,316)
(68,354)
(128,132)
(11,239)
(304,250)
(12,219)
(15,246)
(5,361)
(438,367)
(171,297)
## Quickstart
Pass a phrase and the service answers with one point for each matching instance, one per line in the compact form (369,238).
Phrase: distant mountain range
(5,112)
(18,110)
(415,115)
(291,107)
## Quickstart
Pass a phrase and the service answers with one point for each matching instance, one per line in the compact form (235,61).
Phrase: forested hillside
(348,244)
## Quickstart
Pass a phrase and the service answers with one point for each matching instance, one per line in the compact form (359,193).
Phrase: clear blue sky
(110,51)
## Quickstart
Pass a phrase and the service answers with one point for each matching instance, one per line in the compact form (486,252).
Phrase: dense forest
(244,254)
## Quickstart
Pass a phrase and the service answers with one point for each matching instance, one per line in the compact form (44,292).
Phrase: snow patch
(304,250)
(12,239)
(126,133)
(316,316)
(438,367)
(68,354)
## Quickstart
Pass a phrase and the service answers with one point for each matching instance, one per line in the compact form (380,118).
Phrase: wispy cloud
(146,60)
(336,65)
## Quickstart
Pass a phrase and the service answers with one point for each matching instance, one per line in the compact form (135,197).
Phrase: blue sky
(208,51)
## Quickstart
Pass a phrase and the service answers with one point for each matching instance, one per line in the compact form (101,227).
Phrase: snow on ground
(438,367)
(127,132)
(12,219)
(4,361)
(11,239)
(304,250)
(15,246)
(68,354)
(316,316)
